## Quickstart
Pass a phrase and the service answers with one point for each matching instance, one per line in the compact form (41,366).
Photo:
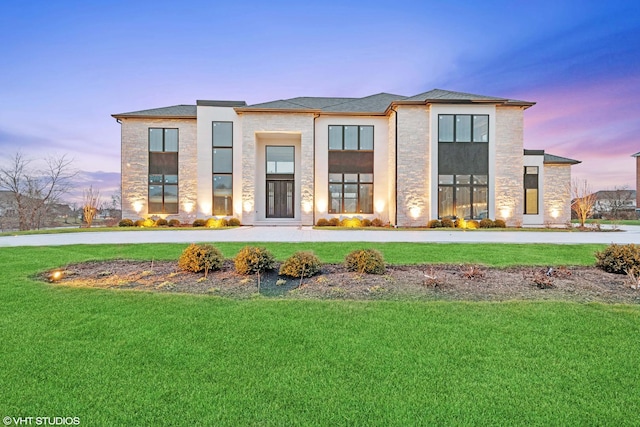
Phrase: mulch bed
(424,282)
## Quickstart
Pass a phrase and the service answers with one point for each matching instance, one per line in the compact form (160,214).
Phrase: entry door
(280,198)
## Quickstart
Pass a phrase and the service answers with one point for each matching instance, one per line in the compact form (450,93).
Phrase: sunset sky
(68,65)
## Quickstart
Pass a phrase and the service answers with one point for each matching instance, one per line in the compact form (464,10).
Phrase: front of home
(404,160)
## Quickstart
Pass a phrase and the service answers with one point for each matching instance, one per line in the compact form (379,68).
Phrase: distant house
(637,156)
(405,160)
(615,204)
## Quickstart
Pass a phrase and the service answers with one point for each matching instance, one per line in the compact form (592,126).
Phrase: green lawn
(133,358)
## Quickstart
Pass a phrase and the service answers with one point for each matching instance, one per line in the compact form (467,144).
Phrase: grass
(134,358)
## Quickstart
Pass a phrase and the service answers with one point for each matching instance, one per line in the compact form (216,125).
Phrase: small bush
(366,222)
(447,223)
(300,264)
(199,257)
(472,224)
(619,259)
(199,223)
(322,222)
(365,261)
(125,223)
(498,223)
(161,222)
(234,222)
(351,222)
(216,223)
(486,223)
(252,260)
(334,222)
(434,223)
(460,223)
(139,223)
(174,223)
(377,222)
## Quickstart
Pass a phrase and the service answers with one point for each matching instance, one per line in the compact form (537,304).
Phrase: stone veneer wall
(557,194)
(391,169)
(135,164)
(253,123)
(509,164)
(413,165)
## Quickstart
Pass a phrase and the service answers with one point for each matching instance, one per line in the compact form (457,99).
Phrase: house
(637,156)
(405,160)
(619,203)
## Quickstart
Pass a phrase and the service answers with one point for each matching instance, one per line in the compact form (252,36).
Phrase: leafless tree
(616,203)
(90,204)
(582,199)
(36,190)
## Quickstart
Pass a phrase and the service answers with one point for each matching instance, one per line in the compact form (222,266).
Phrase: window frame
(472,186)
(214,174)
(343,133)
(471,129)
(163,182)
(527,186)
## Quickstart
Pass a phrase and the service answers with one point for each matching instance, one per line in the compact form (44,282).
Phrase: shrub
(498,223)
(174,223)
(161,222)
(200,257)
(334,222)
(460,223)
(447,223)
(377,222)
(234,222)
(351,222)
(139,223)
(365,261)
(252,260)
(619,259)
(216,223)
(486,223)
(322,222)
(366,222)
(472,224)
(199,223)
(300,264)
(434,223)
(125,223)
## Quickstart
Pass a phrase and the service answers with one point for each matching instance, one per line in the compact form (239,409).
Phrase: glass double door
(280,181)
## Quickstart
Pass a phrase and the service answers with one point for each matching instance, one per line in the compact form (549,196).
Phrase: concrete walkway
(627,234)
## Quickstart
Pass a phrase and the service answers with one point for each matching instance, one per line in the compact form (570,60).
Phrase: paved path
(629,234)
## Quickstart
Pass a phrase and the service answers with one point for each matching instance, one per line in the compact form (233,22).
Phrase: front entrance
(280,198)
(280,181)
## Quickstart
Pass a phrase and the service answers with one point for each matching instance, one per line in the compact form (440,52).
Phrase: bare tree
(36,190)
(90,204)
(582,199)
(617,203)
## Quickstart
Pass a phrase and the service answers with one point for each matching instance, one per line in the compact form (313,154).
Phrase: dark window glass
(463,128)
(335,194)
(163,171)
(222,134)
(222,160)
(280,160)
(335,137)
(222,195)
(351,137)
(156,140)
(445,128)
(445,202)
(480,128)
(171,140)
(222,168)
(463,196)
(365,199)
(366,137)
(531,190)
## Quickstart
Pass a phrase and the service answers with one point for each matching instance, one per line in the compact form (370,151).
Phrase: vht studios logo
(41,421)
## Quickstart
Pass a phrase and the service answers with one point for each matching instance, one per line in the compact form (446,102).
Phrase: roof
(214,103)
(550,158)
(447,96)
(636,155)
(174,112)
(621,193)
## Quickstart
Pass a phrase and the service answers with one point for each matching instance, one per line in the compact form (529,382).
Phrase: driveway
(627,234)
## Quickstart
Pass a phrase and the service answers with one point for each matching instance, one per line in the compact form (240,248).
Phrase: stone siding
(509,165)
(413,155)
(135,165)
(557,194)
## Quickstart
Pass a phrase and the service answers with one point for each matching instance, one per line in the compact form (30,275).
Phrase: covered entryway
(280,181)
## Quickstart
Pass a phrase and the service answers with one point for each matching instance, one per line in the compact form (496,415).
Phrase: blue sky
(69,65)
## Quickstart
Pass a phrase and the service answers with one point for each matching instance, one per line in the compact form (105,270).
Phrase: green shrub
(334,222)
(447,223)
(252,260)
(498,223)
(366,222)
(322,222)
(377,222)
(486,223)
(161,222)
(434,223)
(619,259)
(300,264)
(199,223)
(125,223)
(200,257)
(234,222)
(174,223)
(365,261)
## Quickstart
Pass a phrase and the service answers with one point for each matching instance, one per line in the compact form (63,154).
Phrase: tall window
(351,169)
(222,168)
(163,171)
(463,165)
(531,190)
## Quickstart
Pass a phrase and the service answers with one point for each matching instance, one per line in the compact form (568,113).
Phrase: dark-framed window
(222,167)
(463,128)
(351,169)
(531,190)
(163,171)
(463,196)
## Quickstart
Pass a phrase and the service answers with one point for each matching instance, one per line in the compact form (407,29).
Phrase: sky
(68,65)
